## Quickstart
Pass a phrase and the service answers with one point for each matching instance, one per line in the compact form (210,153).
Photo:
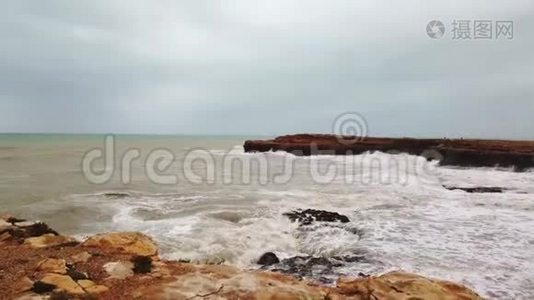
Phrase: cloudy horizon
(264,68)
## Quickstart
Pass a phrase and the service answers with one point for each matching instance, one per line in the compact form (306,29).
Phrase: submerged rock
(309,216)
(116,195)
(478,189)
(268,259)
(310,267)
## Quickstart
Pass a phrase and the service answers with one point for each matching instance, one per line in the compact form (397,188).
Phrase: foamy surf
(401,217)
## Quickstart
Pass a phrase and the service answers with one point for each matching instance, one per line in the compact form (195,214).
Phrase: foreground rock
(126,266)
(457,152)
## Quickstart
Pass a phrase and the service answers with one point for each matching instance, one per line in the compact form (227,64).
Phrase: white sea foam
(408,222)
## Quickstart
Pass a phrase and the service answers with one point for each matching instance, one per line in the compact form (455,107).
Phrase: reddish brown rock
(401,285)
(124,242)
(459,152)
(120,266)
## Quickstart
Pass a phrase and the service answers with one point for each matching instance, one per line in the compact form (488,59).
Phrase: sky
(264,67)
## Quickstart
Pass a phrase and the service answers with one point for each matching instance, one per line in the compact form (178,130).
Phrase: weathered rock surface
(125,266)
(458,152)
(401,285)
(125,242)
(51,265)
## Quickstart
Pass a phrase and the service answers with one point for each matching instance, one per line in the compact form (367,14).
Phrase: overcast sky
(263,67)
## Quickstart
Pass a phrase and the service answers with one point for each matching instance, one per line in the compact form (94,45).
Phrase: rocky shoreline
(36,262)
(455,152)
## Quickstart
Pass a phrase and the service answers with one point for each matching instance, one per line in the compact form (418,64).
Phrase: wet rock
(51,265)
(309,216)
(479,189)
(318,268)
(268,259)
(124,242)
(63,282)
(119,269)
(116,195)
(47,240)
(30,229)
(400,285)
(13,220)
(142,264)
(308,267)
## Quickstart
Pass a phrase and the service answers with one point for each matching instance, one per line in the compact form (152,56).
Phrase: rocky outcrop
(309,216)
(457,152)
(126,266)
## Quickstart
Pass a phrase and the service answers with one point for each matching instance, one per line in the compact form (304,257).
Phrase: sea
(203,199)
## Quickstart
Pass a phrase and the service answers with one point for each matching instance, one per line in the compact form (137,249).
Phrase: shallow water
(404,217)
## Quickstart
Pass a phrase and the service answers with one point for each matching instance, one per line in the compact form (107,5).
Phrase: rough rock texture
(125,266)
(401,285)
(459,152)
(125,242)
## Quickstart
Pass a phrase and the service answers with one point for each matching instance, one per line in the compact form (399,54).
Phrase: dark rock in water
(319,268)
(14,220)
(268,259)
(142,264)
(308,216)
(478,189)
(116,195)
(33,230)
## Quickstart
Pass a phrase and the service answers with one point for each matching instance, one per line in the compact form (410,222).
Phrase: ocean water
(401,215)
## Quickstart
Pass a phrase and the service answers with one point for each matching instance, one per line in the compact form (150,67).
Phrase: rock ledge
(126,266)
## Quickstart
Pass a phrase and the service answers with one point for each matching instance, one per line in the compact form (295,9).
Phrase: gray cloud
(270,67)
